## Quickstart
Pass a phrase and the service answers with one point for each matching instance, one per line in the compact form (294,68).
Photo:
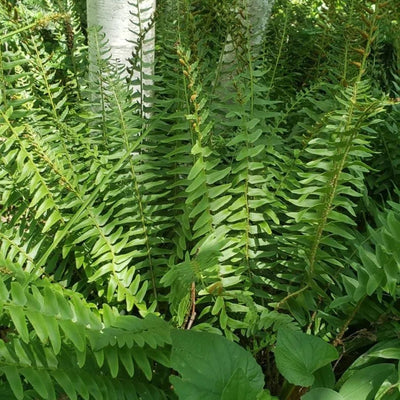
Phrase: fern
(45,321)
(235,183)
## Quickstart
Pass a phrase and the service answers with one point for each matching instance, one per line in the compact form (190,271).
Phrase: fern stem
(40,22)
(101,87)
(246,191)
(137,193)
(338,340)
(289,296)
(3,93)
(141,56)
(337,171)
(281,44)
(329,199)
(53,106)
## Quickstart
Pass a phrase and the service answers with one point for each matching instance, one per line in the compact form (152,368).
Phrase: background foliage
(251,192)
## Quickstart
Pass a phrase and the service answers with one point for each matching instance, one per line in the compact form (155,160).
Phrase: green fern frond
(52,332)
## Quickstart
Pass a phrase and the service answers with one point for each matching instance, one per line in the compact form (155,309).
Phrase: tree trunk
(259,12)
(128,28)
(253,16)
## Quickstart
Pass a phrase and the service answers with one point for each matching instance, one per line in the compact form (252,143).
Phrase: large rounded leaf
(322,394)
(213,368)
(364,383)
(298,356)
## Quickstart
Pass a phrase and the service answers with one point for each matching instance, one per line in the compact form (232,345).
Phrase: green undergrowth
(221,223)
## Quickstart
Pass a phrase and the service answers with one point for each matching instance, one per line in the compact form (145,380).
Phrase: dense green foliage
(246,191)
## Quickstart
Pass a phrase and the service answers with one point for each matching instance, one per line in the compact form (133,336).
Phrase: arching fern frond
(54,334)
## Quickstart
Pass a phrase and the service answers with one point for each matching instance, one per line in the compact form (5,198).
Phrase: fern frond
(55,334)
(326,206)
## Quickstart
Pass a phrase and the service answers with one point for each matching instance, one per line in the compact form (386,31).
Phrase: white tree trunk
(259,12)
(124,22)
(254,19)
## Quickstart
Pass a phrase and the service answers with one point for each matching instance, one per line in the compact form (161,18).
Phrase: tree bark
(129,31)
(259,12)
(253,16)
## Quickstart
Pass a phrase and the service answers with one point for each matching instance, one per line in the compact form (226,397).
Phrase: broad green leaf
(109,315)
(217,190)
(249,152)
(298,356)
(324,377)
(266,395)
(388,350)
(39,194)
(251,124)
(105,269)
(64,307)
(219,303)
(4,293)
(322,394)
(237,139)
(238,387)
(389,389)
(364,383)
(207,362)
(375,273)
(200,191)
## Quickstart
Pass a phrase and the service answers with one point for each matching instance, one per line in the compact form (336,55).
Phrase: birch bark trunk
(253,16)
(256,15)
(125,23)
(259,12)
